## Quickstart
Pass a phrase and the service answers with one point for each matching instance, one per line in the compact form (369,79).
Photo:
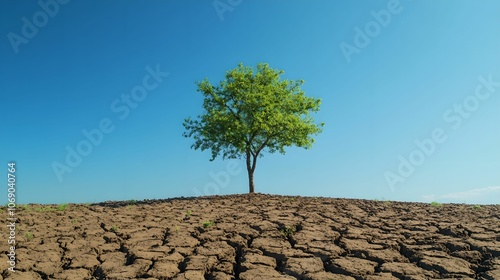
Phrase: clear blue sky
(384,85)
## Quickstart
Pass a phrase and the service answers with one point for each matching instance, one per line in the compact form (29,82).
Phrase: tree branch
(254,162)
(264,144)
(232,112)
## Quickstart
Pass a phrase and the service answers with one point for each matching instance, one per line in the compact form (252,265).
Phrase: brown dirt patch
(257,237)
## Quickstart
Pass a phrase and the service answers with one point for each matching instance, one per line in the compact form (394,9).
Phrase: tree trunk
(251,163)
(251,186)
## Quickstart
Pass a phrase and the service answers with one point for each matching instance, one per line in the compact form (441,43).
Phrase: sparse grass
(176,228)
(114,228)
(43,209)
(386,202)
(23,206)
(436,204)
(28,235)
(62,207)
(189,213)
(476,207)
(208,224)
(74,221)
(287,231)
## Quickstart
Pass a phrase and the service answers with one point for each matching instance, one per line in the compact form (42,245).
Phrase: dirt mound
(256,237)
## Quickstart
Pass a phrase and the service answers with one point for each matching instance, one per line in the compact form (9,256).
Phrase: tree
(252,112)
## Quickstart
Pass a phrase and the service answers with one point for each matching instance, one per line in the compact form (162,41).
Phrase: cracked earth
(257,237)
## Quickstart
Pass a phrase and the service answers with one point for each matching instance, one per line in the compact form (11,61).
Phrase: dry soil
(255,237)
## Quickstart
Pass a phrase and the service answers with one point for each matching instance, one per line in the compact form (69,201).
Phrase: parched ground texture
(256,237)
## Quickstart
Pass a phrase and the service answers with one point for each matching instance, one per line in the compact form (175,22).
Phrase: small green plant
(436,204)
(114,228)
(23,206)
(62,207)
(208,224)
(176,228)
(476,207)
(189,213)
(28,235)
(74,221)
(132,201)
(287,231)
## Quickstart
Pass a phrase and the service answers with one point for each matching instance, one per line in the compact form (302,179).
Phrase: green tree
(251,112)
